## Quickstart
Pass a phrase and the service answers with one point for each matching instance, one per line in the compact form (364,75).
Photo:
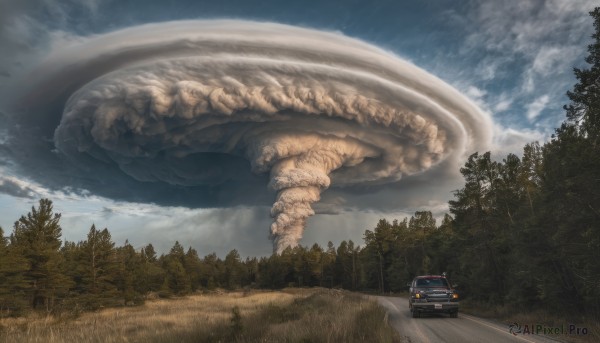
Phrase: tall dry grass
(293,315)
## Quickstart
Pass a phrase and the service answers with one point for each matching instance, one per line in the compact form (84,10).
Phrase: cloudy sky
(513,60)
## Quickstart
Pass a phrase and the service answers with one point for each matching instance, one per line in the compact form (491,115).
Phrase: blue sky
(513,59)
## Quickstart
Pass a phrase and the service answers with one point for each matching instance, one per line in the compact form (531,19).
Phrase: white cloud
(509,140)
(527,26)
(15,186)
(533,42)
(502,105)
(475,93)
(490,67)
(537,106)
(552,58)
(528,83)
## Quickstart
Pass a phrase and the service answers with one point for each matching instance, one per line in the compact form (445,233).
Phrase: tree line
(40,272)
(521,232)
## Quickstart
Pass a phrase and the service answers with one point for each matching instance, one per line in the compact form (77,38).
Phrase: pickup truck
(432,294)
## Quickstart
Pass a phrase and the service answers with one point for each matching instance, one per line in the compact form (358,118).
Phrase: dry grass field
(292,315)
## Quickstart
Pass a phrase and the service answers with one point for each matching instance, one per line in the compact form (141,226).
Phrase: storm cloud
(224,113)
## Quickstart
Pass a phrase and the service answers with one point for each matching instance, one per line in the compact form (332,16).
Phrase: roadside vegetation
(509,314)
(290,315)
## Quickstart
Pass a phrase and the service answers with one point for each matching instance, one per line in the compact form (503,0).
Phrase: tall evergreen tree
(421,226)
(37,237)
(584,110)
(193,268)
(480,220)
(152,275)
(378,252)
(212,271)
(176,277)
(570,190)
(129,274)
(12,283)
(315,261)
(99,266)
(233,270)
(73,266)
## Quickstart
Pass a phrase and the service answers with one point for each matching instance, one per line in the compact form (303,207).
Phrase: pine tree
(584,110)
(73,266)
(99,267)
(570,191)
(480,219)
(152,275)
(176,276)
(192,266)
(129,273)
(252,274)
(422,226)
(343,265)
(12,283)
(315,264)
(329,265)
(377,252)
(37,238)
(212,270)
(300,266)
(233,270)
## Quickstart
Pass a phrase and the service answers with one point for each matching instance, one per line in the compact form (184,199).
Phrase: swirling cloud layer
(226,108)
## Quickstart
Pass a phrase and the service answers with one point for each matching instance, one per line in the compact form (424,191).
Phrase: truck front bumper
(444,307)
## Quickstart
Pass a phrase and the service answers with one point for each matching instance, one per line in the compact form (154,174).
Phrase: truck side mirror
(454,285)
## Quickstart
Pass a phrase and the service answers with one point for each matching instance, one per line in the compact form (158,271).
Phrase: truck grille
(438,297)
(437,300)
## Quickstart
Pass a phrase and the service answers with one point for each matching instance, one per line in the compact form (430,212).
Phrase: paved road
(442,328)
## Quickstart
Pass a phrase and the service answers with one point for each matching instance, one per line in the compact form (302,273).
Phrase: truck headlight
(454,296)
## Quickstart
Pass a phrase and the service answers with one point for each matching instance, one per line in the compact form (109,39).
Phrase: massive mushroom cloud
(182,103)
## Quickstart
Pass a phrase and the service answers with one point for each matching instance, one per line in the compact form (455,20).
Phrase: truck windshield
(432,282)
